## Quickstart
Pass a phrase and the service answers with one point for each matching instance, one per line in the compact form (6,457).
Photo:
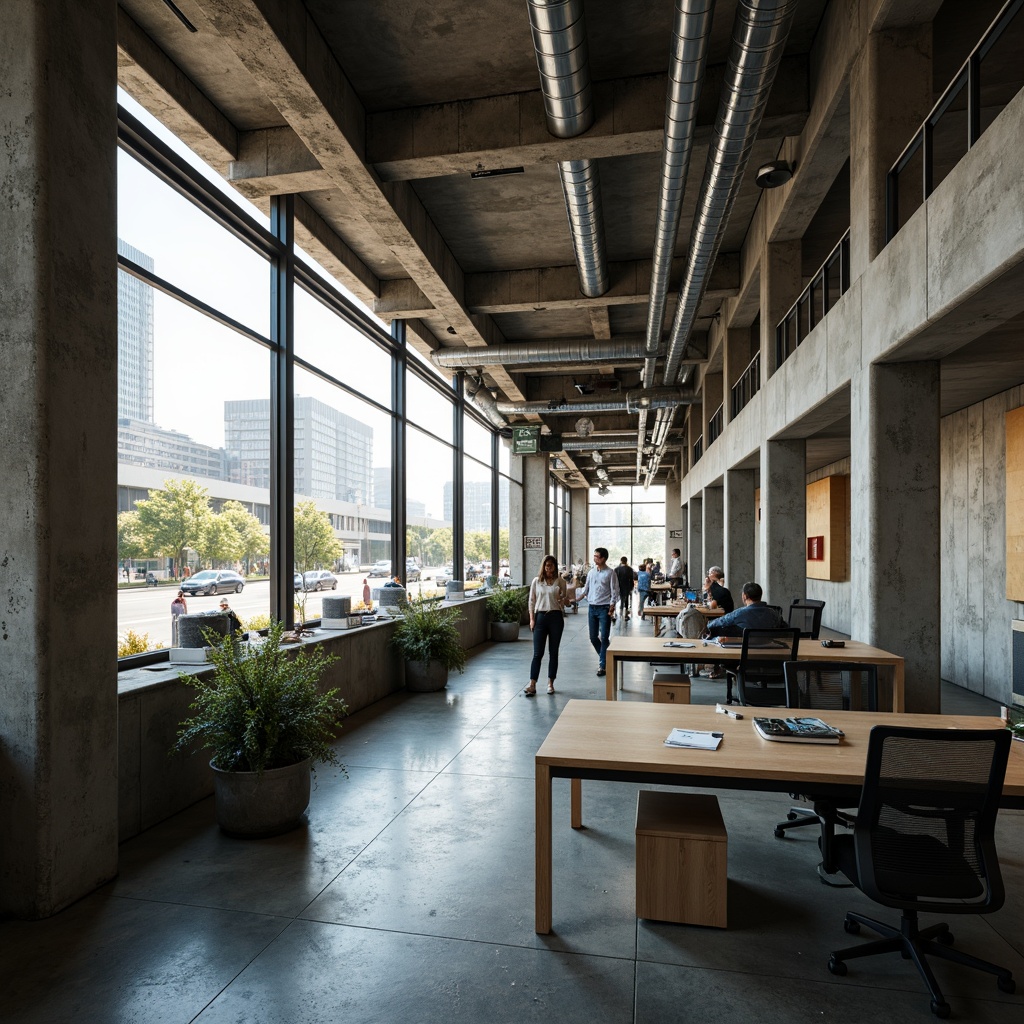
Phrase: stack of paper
(693,738)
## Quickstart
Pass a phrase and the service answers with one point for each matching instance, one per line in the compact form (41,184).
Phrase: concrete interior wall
(976,644)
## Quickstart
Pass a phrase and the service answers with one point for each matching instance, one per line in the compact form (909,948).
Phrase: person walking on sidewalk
(547,620)
(602,593)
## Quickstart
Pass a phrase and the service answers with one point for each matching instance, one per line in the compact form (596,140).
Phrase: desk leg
(542,880)
(611,671)
(897,686)
(576,803)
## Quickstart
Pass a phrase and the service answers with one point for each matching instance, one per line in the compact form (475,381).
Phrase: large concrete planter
(502,632)
(251,806)
(425,676)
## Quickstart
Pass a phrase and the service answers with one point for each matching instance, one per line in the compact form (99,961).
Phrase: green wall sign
(525,440)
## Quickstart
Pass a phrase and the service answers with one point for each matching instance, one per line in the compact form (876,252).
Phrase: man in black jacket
(624,574)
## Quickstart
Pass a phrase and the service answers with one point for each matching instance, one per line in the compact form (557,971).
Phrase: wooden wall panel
(828,516)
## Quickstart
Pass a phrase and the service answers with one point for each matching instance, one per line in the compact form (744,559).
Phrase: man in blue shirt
(754,614)
(602,594)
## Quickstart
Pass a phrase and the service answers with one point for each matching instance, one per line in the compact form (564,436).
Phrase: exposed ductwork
(758,40)
(567,351)
(691,31)
(653,398)
(597,445)
(484,401)
(560,45)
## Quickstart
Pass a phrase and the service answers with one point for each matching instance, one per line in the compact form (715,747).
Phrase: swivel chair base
(912,943)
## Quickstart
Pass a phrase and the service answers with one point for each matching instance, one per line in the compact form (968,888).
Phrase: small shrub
(133,643)
(256,622)
(507,605)
(427,632)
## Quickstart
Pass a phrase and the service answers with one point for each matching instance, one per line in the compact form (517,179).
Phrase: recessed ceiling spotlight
(584,426)
(773,174)
(597,457)
(451,330)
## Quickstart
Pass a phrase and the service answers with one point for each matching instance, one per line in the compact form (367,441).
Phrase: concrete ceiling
(377,111)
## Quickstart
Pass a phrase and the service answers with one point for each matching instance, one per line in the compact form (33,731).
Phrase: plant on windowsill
(262,716)
(505,609)
(429,640)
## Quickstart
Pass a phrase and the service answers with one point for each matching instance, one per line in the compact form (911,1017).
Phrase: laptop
(690,595)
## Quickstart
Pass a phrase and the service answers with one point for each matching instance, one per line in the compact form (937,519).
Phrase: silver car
(319,579)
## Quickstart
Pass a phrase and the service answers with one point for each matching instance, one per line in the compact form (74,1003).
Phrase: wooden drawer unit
(681,849)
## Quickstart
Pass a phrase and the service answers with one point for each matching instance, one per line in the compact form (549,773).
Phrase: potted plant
(430,643)
(505,609)
(266,723)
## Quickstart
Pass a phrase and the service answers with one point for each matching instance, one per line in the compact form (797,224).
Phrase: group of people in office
(605,588)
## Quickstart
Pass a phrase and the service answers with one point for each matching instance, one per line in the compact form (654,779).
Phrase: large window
(629,521)
(209,435)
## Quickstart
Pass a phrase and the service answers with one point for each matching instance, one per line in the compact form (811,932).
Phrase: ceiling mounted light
(584,426)
(597,457)
(773,174)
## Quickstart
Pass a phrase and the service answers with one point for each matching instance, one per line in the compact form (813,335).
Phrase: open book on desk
(697,738)
(797,730)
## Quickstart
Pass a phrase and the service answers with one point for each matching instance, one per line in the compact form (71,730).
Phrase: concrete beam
(275,161)
(151,77)
(524,291)
(289,60)
(510,130)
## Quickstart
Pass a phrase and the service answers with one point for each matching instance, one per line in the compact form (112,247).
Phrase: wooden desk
(624,742)
(661,590)
(659,612)
(648,648)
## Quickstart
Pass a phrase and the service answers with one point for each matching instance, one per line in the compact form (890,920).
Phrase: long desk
(664,611)
(649,648)
(624,742)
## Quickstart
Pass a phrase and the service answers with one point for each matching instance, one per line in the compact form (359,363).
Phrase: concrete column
(783,521)
(712,534)
(694,528)
(895,559)
(674,520)
(740,520)
(890,95)
(536,510)
(58,343)
(781,284)
(579,542)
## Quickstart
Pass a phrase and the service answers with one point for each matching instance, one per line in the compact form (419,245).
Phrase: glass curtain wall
(629,521)
(259,409)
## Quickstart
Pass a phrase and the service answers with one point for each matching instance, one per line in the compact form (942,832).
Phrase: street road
(148,609)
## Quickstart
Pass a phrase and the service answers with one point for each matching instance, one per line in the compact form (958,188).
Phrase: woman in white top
(547,605)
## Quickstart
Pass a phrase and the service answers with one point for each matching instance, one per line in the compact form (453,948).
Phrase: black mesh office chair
(923,839)
(758,676)
(805,615)
(846,686)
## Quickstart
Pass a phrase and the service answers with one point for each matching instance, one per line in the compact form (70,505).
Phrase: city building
(143,443)
(134,340)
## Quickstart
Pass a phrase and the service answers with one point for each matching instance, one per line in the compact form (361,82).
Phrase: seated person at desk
(754,614)
(718,595)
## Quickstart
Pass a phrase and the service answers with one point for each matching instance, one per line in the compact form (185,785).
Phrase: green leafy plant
(262,707)
(427,632)
(507,605)
(135,643)
(256,622)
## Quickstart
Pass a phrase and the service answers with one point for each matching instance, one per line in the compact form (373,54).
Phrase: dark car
(213,581)
(319,579)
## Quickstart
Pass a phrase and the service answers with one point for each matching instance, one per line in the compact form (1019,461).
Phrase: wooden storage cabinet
(671,686)
(681,854)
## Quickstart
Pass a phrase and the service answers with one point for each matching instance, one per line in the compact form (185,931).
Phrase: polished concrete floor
(408,897)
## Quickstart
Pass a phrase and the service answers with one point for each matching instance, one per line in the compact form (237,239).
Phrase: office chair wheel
(851,927)
(945,938)
(940,1009)
(780,833)
(1006,984)
(837,967)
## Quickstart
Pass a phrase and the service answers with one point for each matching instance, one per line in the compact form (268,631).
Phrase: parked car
(381,568)
(412,572)
(213,581)
(297,581)
(319,579)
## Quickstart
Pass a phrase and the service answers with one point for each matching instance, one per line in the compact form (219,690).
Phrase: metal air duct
(654,398)
(560,45)
(484,401)
(691,30)
(758,40)
(567,351)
